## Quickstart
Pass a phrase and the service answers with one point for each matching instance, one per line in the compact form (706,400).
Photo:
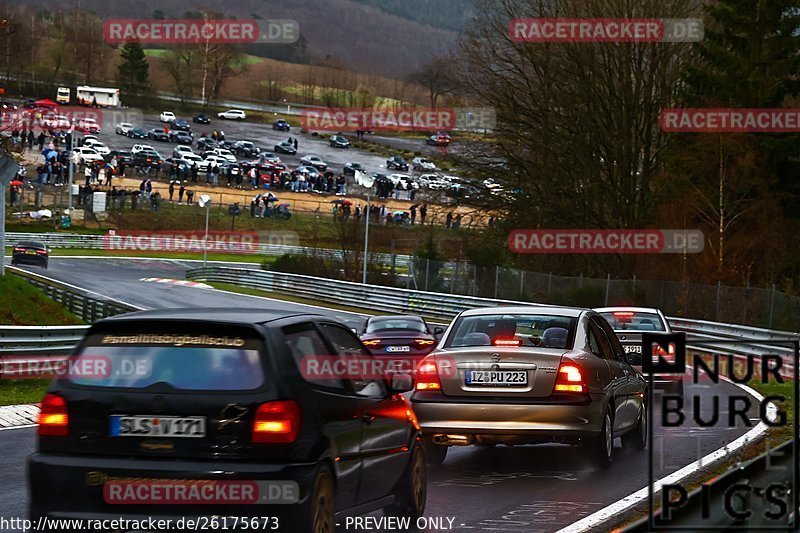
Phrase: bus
(102,96)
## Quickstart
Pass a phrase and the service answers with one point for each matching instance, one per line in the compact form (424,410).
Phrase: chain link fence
(753,306)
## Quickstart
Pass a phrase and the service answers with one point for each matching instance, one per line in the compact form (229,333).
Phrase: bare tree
(437,76)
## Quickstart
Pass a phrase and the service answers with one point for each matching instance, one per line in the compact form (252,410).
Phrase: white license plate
(499,378)
(633,348)
(398,348)
(158,426)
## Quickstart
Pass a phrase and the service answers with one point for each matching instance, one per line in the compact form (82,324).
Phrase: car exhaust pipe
(453,440)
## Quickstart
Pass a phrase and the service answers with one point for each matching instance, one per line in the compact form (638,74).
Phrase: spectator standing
(448,222)
(413,213)
(423,212)
(171,190)
(180,193)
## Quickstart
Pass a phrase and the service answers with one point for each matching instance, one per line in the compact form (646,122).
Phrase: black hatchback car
(225,397)
(30,253)
(201,118)
(281,125)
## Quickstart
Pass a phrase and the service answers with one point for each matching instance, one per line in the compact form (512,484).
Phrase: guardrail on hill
(58,340)
(701,334)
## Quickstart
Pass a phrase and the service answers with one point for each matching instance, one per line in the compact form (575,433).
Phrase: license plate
(30,252)
(398,348)
(500,378)
(633,348)
(158,426)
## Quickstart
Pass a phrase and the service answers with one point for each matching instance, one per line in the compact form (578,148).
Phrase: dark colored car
(123,156)
(396,162)
(181,124)
(246,148)
(201,118)
(350,169)
(405,336)
(285,148)
(281,125)
(206,143)
(30,253)
(146,158)
(137,133)
(181,137)
(158,134)
(440,139)
(226,395)
(339,141)
(228,145)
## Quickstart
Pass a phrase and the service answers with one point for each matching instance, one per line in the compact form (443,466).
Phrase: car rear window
(207,362)
(634,320)
(395,324)
(545,331)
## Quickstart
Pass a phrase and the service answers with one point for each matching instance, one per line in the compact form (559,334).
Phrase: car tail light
(424,342)
(19,249)
(428,374)
(569,379)
(53,419)
(623,314)
(43,252)
(372,342)
(277,422)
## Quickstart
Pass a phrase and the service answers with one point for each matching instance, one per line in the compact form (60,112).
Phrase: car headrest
(474,339)
(555,338)
(504,328)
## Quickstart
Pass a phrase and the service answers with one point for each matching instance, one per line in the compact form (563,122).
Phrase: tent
(46,102)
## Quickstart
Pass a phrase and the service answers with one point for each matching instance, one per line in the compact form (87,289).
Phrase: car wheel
(412,489)
(637,437)
(320,518)
(434,453)
(602,449)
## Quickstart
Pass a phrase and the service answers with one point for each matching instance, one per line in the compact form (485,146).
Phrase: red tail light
(428,374)
(373,342)
(18,249)
(623,314)
(424,342)
(41,252)
(569,379)
(277,422)
(53,419)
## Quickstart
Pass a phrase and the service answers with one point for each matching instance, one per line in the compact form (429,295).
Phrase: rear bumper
(531,419)
(26,259)
(68,486)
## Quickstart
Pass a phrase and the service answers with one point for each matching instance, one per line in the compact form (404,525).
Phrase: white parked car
(87,154)
(232,114)
(210,158)
(123,128)
(181,150)
(422,163)
(98,147)
(167,116)
(139,147)
(224,153)
(405,178)
(87,124)
(190,159)
(56,122)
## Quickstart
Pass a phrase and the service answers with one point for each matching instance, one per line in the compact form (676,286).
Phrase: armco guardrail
(102,242)
(57,340)
(701,334)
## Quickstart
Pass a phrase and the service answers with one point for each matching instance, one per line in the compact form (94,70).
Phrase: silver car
(527,375)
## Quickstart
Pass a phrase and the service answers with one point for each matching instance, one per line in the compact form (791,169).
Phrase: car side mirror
(401,383)
(438,331)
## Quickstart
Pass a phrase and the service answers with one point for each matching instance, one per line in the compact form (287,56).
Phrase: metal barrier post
(608,287)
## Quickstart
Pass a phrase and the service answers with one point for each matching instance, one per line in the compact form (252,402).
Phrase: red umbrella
(15,183)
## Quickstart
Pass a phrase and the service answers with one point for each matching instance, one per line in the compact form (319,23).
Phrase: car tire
(602,447)
(412,489)
(637,437)
(317,515)
(435,454)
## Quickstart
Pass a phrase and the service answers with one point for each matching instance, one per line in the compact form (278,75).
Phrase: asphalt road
(504,489)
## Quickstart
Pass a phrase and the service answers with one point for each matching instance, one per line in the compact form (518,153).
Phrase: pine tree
(133,70)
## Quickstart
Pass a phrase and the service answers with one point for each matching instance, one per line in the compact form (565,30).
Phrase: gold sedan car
(527,375)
